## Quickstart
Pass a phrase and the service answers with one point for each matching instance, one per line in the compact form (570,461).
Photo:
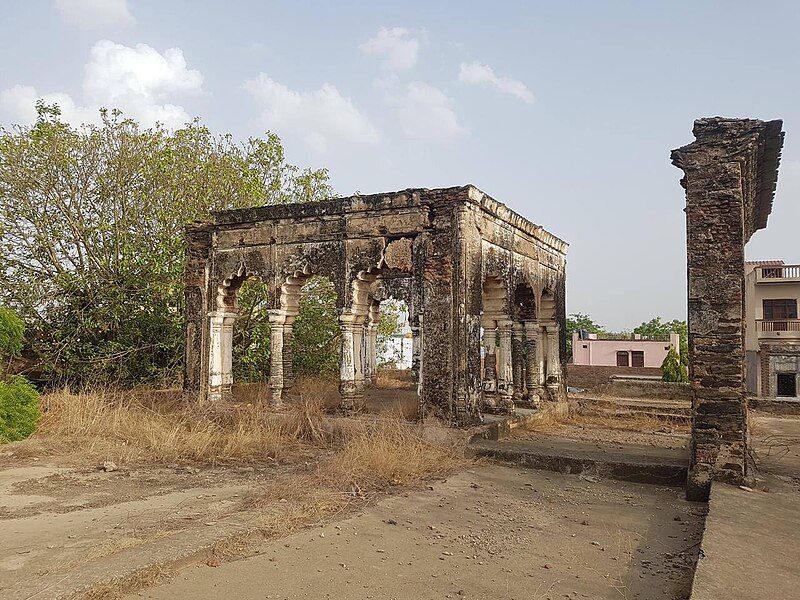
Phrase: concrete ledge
(750,544)
(775,406)
(497,427)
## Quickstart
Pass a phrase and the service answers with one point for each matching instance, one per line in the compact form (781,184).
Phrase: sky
(566,112)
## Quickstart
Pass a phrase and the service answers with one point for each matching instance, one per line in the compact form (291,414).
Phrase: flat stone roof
(387,201)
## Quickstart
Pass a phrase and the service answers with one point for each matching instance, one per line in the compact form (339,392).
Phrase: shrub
(672,369)
(19,409)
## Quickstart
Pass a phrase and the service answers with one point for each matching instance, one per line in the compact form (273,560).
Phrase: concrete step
(641,464)
(622,408)
(630,414)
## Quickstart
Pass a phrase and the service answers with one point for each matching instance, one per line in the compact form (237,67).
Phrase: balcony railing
(778,273)
(788,325)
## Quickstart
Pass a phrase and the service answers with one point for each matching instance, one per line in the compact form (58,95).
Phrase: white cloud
(91,14)
(399,50)
(425,112)
(138,80)
(318,118)
(479,74)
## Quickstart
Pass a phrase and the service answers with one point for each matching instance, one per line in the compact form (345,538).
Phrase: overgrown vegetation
(145,427)
(19,409)
(19,400)
(673,369)
(91,235)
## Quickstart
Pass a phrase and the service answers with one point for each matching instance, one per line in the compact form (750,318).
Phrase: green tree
(315,343)
(672,369)
(91,234)
(12,330)
(580,322)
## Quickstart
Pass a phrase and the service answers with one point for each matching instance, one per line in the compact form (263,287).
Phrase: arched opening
(496,336)
(380,345)
(251,339)
(525,346)
(305,332)
(550,338)
(253,342)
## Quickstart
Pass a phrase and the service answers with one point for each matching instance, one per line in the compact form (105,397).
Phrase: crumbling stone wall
(434,249)
(730,172)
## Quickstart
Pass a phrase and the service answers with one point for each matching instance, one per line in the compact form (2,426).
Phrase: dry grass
(393,379)
(331,465)
(123,427)
(153,428)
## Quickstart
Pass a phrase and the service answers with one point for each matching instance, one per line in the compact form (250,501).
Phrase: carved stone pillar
(518,359)
(220,377)
(533,361)
(215,360)
(352,394)
(280,345)
(416,353)
(489,360)
(371,342)
(553,379)
(505,370)
(359,355)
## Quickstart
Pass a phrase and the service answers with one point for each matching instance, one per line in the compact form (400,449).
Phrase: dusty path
(491,532)
(65,528)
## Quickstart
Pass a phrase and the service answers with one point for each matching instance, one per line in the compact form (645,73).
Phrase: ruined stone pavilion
(484,288)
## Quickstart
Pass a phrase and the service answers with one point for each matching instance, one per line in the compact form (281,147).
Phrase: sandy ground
(58,523)
(491,532)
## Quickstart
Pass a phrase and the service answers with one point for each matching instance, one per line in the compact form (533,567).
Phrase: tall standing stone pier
(730,173)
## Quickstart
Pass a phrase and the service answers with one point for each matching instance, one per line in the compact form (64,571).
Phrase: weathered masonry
(484,287)
(730,172)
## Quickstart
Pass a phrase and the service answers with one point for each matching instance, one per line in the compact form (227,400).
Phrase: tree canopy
(91,234)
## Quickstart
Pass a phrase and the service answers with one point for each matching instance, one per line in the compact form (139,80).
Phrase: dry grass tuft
(390,451)
(122,427)
(393,379)
(119,587)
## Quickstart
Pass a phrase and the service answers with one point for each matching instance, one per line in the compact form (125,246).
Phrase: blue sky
(564,111)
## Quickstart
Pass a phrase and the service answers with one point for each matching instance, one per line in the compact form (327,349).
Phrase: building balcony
(778,274)
(778,329)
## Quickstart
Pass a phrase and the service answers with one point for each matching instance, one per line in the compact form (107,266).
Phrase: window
(622,358)
(779,310)
(637,358)
(787,384)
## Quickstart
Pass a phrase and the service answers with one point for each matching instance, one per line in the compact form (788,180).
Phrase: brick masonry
(730,172)
(587,376)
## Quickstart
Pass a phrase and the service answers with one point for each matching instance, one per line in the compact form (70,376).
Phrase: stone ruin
(730,173)
(484,287)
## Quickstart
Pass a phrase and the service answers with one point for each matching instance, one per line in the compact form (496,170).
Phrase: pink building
(604,350)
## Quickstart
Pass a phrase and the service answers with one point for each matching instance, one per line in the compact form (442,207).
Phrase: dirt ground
(489,532)
(62,525)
